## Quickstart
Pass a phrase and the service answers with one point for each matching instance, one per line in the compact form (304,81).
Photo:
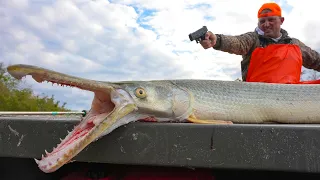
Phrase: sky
(119,40)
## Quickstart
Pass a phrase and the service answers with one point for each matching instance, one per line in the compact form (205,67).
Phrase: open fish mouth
(108,110)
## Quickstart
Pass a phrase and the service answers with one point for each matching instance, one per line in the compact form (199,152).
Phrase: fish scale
(243,102)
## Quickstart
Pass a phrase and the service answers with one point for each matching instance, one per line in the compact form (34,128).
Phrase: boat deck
(271,147)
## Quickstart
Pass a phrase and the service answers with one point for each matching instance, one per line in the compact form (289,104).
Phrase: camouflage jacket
(244,45)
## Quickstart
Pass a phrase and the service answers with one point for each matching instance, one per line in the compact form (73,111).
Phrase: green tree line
(15,97)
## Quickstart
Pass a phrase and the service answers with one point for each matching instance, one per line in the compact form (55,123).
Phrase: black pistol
(198,35)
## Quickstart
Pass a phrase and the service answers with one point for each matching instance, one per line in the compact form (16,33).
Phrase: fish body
(239,102)
(245,102)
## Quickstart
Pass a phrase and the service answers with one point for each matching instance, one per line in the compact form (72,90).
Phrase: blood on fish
(76,135)
(148,119)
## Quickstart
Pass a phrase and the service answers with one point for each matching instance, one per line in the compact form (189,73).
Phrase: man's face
(271,25)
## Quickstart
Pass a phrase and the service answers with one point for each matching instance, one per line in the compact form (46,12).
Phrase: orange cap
(275,10)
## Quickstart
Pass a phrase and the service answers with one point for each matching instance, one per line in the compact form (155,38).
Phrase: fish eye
(140,93)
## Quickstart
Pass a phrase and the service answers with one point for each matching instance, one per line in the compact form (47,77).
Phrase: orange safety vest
(277,63)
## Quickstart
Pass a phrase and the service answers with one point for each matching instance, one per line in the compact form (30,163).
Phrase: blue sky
(133,39)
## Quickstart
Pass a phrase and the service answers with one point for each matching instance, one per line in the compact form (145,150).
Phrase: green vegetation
(15,98)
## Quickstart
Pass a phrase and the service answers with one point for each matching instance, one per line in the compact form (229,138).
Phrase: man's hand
(210,40)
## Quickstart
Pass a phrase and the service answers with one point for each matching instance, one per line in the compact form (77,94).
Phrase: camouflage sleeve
(311,58)
(240,45)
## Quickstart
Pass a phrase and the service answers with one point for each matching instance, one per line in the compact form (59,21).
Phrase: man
(269,54)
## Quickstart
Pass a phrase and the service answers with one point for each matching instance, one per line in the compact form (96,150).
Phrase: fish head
(114,104)
(161,99)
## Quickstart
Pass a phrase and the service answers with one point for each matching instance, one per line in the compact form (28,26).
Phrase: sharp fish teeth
(61,139)
(46,151)
(36,160)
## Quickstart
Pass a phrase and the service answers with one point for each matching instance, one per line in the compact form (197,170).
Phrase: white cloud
(133,39)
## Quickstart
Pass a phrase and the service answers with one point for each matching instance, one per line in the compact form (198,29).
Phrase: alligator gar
(196,101)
